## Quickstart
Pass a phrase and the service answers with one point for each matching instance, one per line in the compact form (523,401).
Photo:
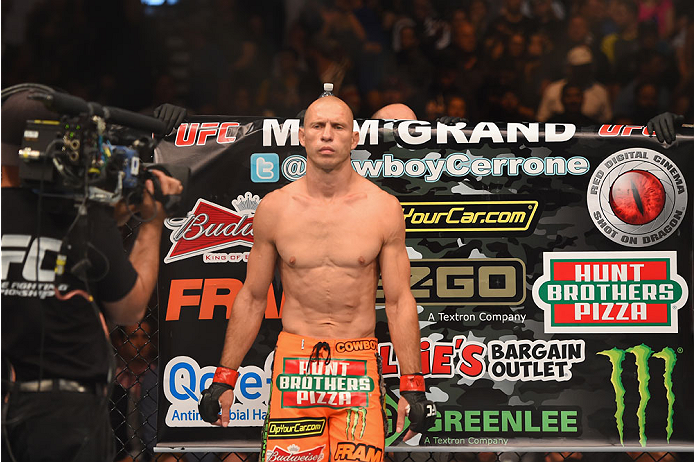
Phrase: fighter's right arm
(249,306)
(246,314)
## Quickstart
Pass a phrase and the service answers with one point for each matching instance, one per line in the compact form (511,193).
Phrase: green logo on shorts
(354,415)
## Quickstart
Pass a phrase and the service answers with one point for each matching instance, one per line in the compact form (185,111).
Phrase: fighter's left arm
(401,308)
(403,323)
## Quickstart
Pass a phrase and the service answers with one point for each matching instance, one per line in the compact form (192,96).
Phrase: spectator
(661,12)
(512,20)
(411,62)
(435,33)
(548,16)
(577,33)
(619,47)
(456,106)
(595,12)
(134,350)
(463,55)
(572,101)
(478,15)
(651,69)
(596,101)
(350,94)
(645,103)
(434,108)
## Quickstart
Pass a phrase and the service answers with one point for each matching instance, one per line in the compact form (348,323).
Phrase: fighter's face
(328,134)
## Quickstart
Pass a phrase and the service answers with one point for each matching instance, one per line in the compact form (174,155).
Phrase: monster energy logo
(642,354)
(354,415)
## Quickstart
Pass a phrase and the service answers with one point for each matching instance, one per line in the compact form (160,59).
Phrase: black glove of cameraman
(665,126)
(421,411)
(450,120)
(171,115)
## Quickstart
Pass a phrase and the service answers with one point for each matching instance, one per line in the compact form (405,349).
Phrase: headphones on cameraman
(20,87)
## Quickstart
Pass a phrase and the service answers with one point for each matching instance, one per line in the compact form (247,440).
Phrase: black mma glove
(421,411)
(665,126)
(171,115)
(224,379)
(450,120)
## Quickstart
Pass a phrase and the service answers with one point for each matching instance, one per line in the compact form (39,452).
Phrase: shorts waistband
(293,342)
(60,385)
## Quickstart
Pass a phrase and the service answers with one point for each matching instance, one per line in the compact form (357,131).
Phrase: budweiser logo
(294,454)
(210,226)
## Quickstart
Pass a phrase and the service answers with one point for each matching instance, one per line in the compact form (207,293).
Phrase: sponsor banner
(551,266)
(510,216)
(184,380)
(637,292)
(637,197)
(483,281)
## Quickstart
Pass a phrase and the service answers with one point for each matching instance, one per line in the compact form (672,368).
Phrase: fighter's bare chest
(344,235)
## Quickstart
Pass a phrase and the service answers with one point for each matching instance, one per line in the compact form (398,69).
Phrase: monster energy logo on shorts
(354,415)
(642,354)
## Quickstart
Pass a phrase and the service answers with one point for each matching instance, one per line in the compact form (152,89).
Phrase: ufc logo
(199,132)
(21,249)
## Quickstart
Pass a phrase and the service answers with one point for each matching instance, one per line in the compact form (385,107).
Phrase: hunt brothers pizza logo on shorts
(642,354)
(593,292)
(209,227)
(637,197)
(294,454)
(510,216)
(339,384)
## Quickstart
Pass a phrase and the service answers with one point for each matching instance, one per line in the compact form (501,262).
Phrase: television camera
(93,153)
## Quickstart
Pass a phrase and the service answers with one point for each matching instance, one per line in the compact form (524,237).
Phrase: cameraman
(55,350)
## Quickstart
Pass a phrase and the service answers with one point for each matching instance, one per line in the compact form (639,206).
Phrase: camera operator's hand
(171,115)
(152,202)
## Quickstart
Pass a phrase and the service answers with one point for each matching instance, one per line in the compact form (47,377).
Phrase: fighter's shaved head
(324,102)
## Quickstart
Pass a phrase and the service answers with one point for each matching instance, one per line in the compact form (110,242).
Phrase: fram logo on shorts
(358,452)
(293,453)
(210,227)
(341,383)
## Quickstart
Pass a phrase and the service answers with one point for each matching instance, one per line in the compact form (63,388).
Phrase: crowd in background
(582,61)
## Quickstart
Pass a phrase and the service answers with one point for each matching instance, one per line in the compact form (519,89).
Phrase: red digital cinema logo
(637,197)
(606,292)
(210,227)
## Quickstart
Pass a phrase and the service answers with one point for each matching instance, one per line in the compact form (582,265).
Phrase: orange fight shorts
(326,402)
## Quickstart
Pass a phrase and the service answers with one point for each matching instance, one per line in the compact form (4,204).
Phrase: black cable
(39,215)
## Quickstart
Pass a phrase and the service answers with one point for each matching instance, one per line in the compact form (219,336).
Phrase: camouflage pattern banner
(551,264)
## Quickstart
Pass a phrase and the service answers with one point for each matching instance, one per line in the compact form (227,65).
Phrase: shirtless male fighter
(331,233)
